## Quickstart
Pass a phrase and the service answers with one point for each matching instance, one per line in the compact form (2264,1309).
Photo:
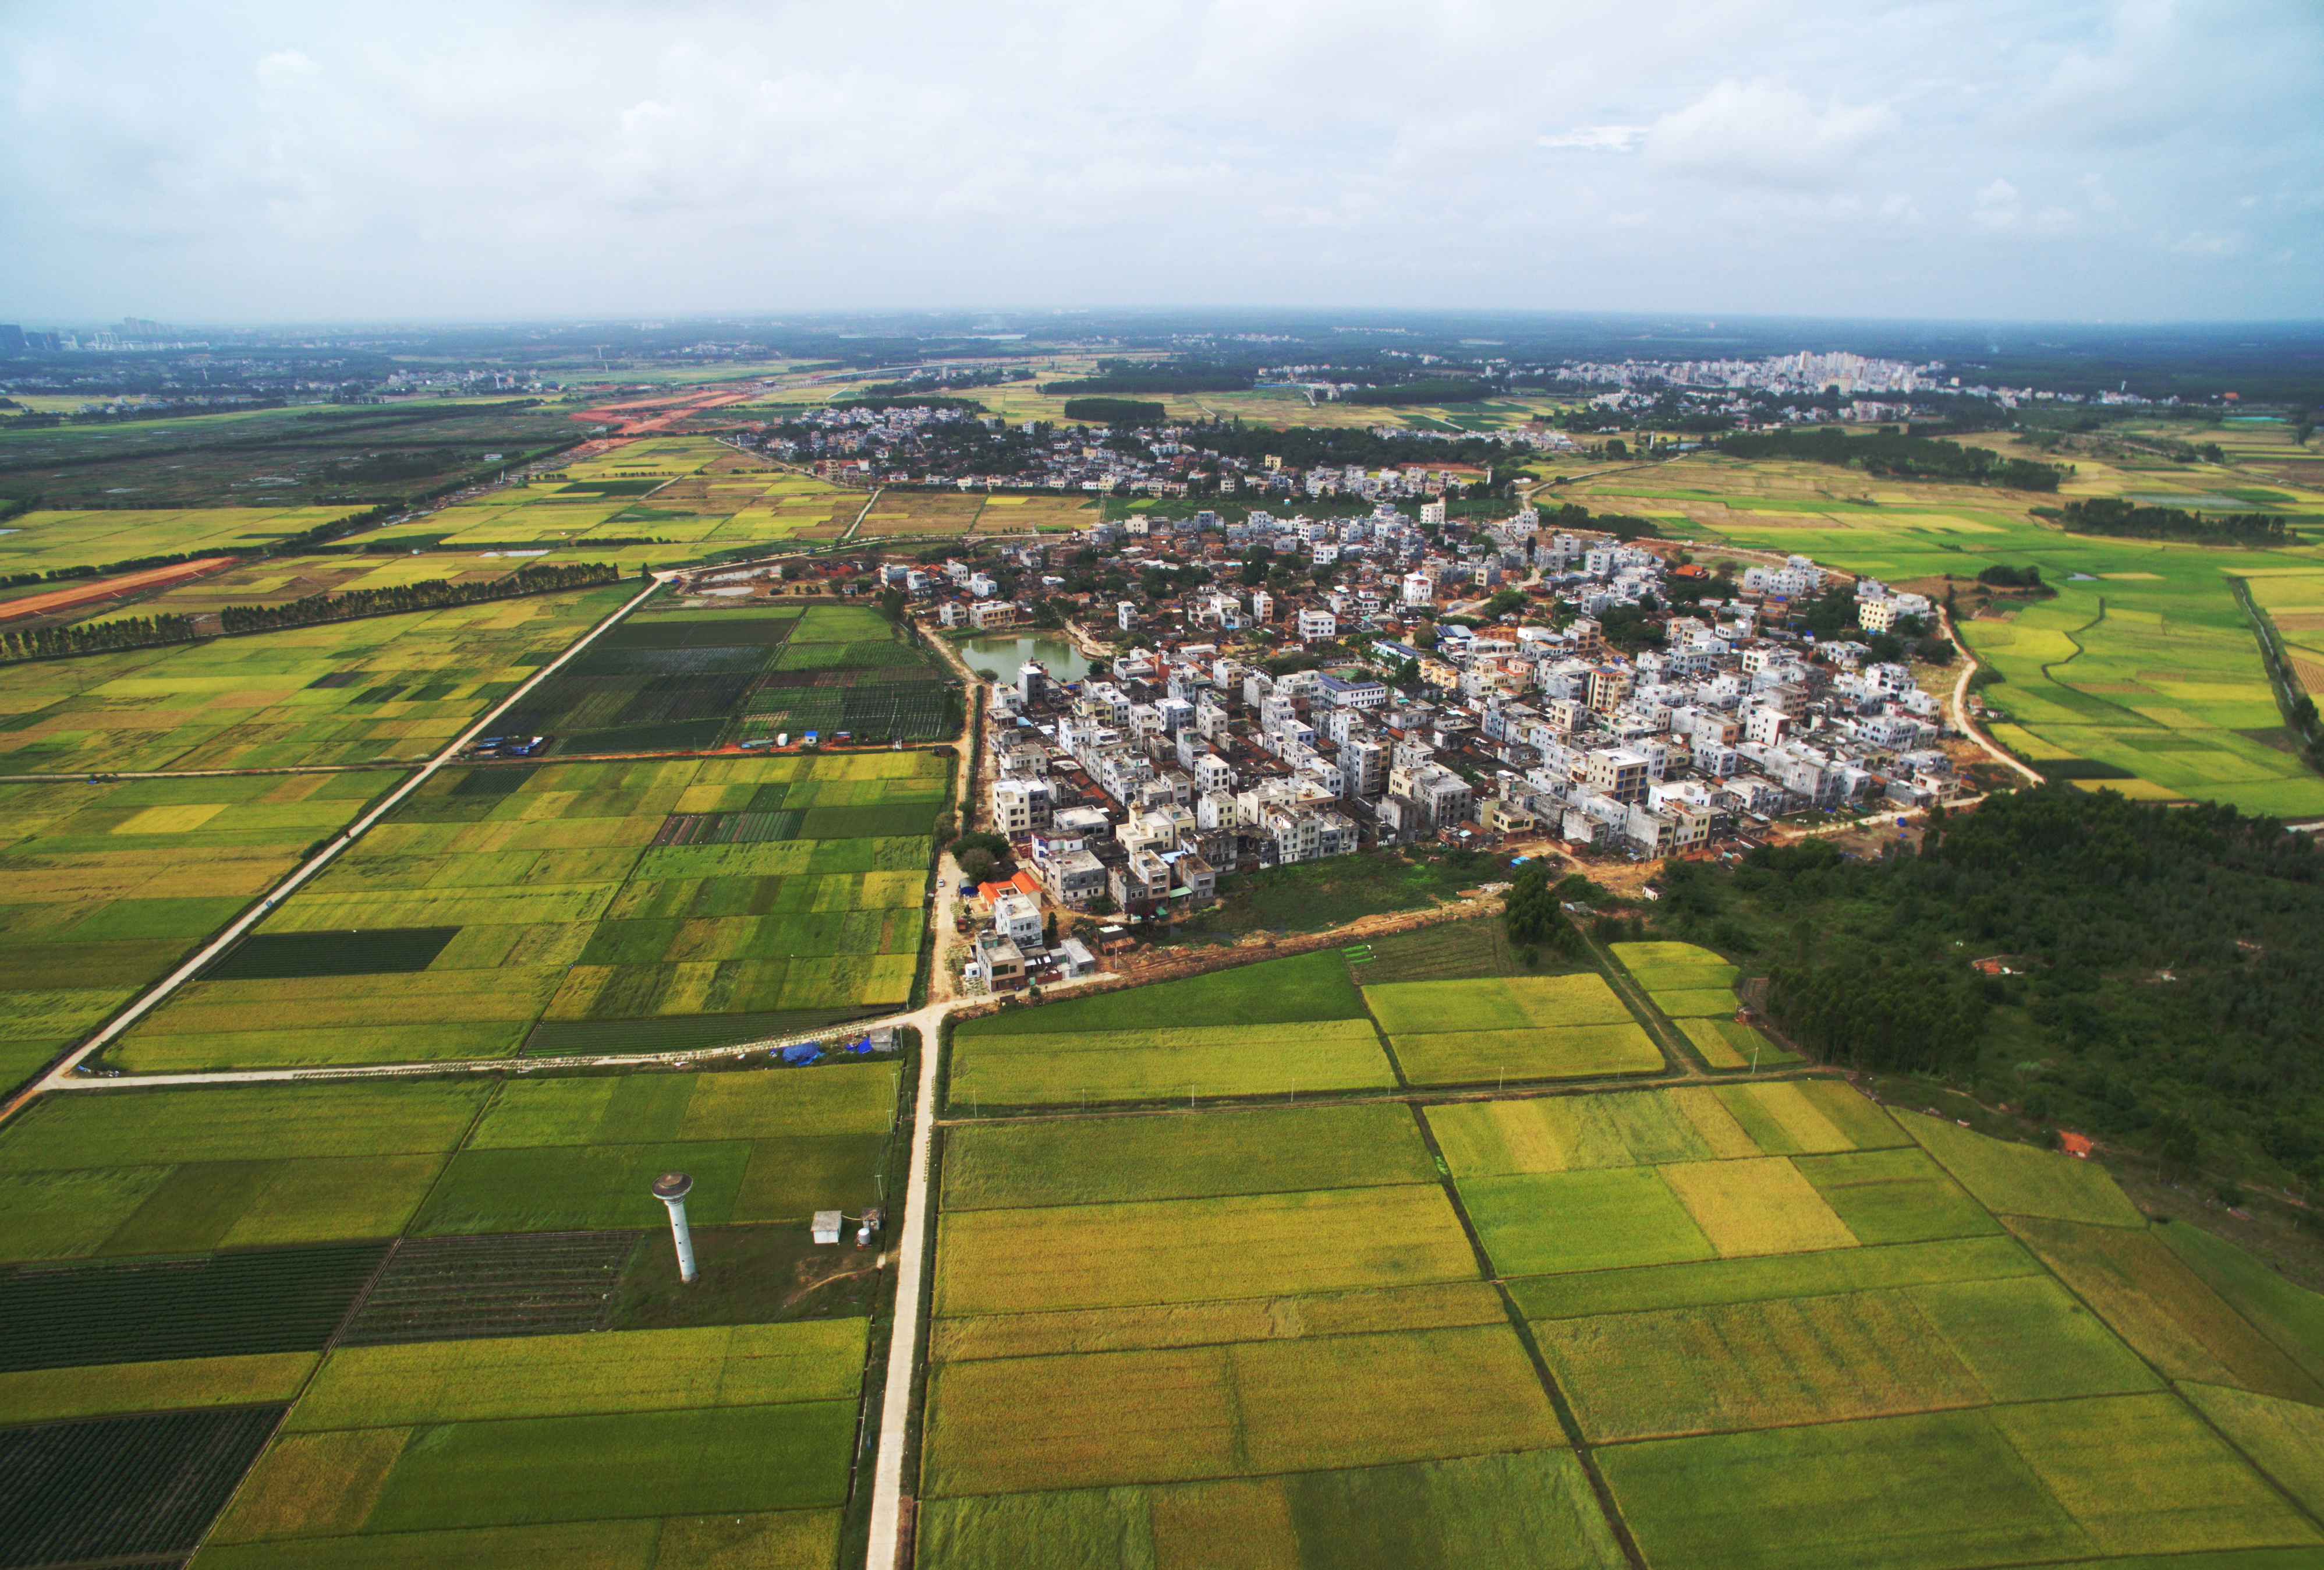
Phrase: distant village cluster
(1204,749)
(866,445)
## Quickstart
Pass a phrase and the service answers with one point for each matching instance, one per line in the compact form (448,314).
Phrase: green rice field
(687,498)
(1278,1027)
(1263,1336)
(106,1175)
(106,887)
(1696,989)
(509,907)
(45,540)
(1454,1033)
(675,676)
(384,688)
(178,1267)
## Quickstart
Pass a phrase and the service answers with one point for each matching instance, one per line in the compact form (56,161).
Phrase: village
(1278,690)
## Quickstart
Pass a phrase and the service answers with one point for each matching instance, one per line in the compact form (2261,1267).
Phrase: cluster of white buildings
(1190,760)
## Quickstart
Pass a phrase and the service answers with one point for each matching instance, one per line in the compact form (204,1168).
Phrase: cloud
(1765,132)
(437,160)
(2209,244)
(1597,138)
(1997,206)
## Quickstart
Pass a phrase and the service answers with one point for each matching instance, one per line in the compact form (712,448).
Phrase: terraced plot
(546,908)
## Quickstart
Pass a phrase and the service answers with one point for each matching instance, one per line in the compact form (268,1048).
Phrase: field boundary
(1575,1440)
(2288,693)
(1685,1062)
(870,502)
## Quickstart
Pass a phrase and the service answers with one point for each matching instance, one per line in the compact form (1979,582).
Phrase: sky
(2033,160)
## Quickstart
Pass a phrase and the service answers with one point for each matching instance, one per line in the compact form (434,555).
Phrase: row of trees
(96,637)
(434,594)
(2111,515)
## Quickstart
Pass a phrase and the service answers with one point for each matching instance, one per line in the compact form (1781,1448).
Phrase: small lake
(998,659)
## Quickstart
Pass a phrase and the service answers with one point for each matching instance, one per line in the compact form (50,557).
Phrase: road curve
(1960,701)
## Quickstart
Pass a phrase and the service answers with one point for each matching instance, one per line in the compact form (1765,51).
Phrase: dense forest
(1916,457)
(2166,966)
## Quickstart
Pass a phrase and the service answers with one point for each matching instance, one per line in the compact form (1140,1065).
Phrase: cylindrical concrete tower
(671,1188)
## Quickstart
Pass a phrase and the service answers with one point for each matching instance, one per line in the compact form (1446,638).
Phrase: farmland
(675,677)
(1282,1026)
(845,671)
(1258,1335)
(1450,1032)
(1262,1365)
(45,541)
(338,458)
(1470,1013)
(660,501)
(142,1232)
(582,908)
(1696,989)
(2142,674)
(109,885)
(384,688)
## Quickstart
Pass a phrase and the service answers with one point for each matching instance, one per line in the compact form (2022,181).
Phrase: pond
(997,658)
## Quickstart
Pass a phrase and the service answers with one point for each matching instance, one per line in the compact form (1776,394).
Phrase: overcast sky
(206,163)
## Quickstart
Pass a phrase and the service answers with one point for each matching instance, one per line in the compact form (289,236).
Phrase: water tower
(671,1188)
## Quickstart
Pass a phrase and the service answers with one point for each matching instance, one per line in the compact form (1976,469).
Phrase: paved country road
(1961,700)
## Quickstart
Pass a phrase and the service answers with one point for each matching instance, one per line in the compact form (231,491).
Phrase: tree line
(2111,515)
(431,595)
(1901,455)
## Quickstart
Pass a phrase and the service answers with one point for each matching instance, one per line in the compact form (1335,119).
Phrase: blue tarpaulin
(806,1052)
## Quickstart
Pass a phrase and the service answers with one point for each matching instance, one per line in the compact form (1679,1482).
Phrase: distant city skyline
(1999,159)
